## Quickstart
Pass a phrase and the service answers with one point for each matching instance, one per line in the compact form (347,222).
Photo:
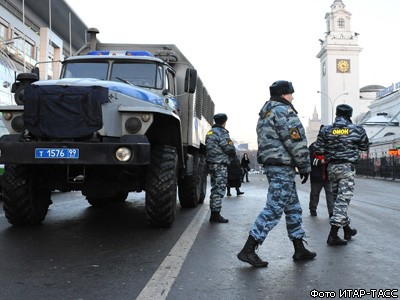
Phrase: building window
(25,46)
(4,31)
(341,23)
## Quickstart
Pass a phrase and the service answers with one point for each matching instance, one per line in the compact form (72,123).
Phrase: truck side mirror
(35,70)
(190,80)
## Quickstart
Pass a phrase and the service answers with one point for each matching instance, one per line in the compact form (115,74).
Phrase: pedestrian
(234,176)
(341,144)
(319,179)
(245,163)
(219,147)
(282,147)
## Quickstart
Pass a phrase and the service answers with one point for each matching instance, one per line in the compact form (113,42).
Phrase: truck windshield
(97,70)
(148,75)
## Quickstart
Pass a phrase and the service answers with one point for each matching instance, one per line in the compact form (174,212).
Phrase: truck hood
(123,88)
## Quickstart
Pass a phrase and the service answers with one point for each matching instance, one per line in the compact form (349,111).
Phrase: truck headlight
(18,124)
(123,154)
(133,125)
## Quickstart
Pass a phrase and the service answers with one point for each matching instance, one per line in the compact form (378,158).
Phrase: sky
(240,48)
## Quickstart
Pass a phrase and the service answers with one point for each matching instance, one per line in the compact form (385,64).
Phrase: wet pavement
(80,252)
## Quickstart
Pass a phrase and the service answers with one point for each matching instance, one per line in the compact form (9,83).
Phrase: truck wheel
(161,186)
(26,195)
(190,190)
(193,188)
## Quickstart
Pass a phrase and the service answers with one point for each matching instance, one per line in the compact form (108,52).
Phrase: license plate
(71,153)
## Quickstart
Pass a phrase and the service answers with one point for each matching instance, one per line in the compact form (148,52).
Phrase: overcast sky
(240,47)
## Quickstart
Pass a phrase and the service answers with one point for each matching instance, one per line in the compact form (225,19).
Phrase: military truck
(122,118)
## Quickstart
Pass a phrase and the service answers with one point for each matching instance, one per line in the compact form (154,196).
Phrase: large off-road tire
(26,195)
(191,188)
(189,191)
(161,186)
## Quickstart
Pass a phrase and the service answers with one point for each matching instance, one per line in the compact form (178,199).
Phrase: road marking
(162,280)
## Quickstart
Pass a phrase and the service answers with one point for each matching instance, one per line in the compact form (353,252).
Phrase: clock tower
(339,58)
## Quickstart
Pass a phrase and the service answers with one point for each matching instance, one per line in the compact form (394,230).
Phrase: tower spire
(338,2)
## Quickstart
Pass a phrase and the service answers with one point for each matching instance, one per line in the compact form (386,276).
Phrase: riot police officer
(282,146)
(341,144)
(219,147)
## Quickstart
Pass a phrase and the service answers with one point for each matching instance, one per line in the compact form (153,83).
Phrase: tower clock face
(343,65)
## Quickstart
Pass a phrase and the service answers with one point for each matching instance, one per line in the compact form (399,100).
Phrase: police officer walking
(282,146)
(219,147)
(341,144)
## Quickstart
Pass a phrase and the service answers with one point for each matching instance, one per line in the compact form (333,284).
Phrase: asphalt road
(81,252)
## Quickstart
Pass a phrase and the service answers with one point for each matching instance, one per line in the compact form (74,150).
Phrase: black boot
(228,191)
(333,238)
(300,252)
(248,254)
(217,218)
(238,192)
(349,232)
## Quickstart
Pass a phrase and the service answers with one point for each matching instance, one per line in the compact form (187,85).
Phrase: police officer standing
(341,144)
(219,148)
(282,146)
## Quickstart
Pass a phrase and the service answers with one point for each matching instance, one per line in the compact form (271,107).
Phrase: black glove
(304,176)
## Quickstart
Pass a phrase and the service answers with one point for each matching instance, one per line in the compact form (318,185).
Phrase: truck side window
(170,82)
(159,78)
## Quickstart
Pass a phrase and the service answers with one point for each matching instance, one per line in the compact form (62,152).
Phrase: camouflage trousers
(342,178)
(282,198)
(219,178)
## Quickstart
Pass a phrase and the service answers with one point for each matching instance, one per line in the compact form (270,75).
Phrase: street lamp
(330,100)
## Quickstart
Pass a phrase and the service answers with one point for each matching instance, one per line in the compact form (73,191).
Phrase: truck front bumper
(14,151)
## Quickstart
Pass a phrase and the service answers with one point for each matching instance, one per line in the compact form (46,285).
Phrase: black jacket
(245,163)
(234,172)
(318,170)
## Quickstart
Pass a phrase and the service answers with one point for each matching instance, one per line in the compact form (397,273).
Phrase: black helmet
(344,110)
(281,87)
(220,119)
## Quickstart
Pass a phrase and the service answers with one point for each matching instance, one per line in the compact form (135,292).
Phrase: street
(82,252)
